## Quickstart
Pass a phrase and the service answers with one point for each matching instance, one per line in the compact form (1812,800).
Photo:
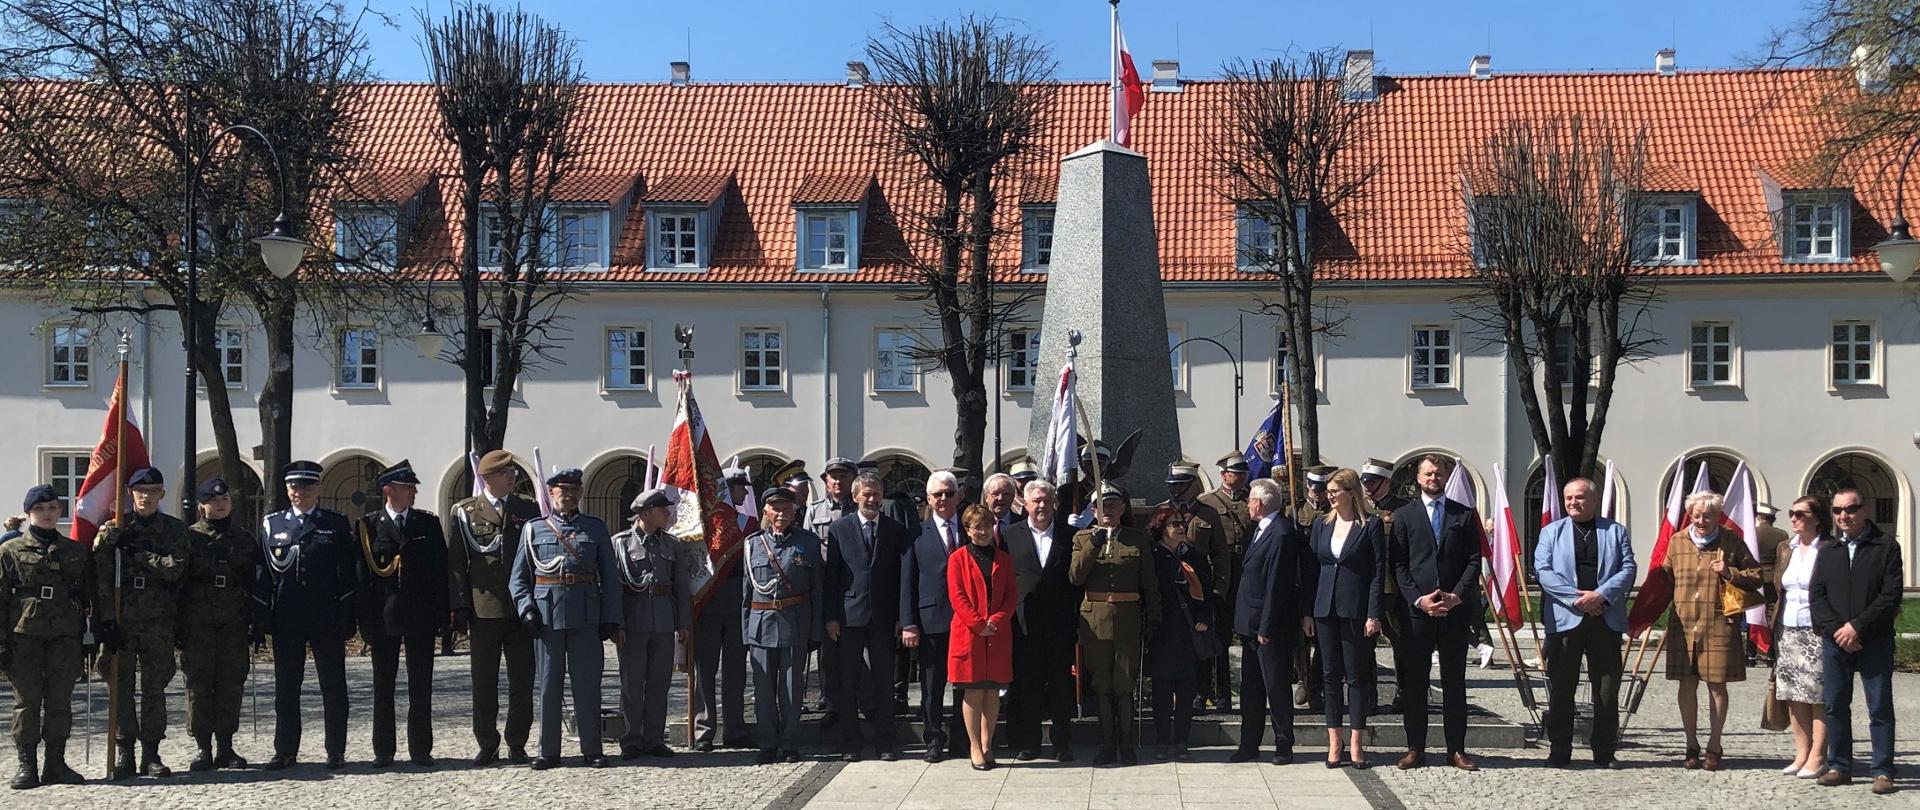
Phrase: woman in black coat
(1175,647)
(1349,552)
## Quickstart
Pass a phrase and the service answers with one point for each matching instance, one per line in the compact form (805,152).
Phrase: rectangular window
(577,238)
(894,366)
(1813,231)
(486,358)
(1177,355)
(231,343)
(1255,244)
(359,359)
(1710,354)
(1563,359)
(1023,358)
(1854,354)
(760,360)
(1432,358)
(1665,234)
(824,244)
(1037,240)
(1282,359)
(66,471)
(69,355)
(366,235)
(490,240)
(627,358)
(676,240)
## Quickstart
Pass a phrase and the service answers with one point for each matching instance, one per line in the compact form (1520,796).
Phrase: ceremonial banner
(701,517)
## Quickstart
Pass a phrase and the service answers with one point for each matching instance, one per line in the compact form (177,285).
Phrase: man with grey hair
(1001,495)
(1269,612)
(1585,563)
(1045,626)
(926,612)
(862,615)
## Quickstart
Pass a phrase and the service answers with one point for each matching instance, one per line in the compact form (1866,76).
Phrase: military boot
(55,771)
(29,774)
(202,761)
(1123,710)
(224,757)
(1106,754)
(122,761)
(150,763)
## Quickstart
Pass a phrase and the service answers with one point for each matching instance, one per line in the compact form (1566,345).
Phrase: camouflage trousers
(214,663)
(42,674)
(149,653)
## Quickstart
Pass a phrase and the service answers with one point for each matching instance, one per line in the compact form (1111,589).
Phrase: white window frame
(230,344)
(762,367)
(66,483)
(1177,357)
(559,244)
(487,243)
(850,225)
(351,237)
(1281,365)
(1669,226)
(1875,346)
(616,376)
(894,343)
(1023,358)
(1732,344)
(1815,211)
(1451,365)
(658,231)
(341,361)
(1036,242)
(78,341)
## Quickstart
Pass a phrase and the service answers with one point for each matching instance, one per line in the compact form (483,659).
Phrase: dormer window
(676,240)
(683,211)
(1815,227)
(1666,233)
(1036,239)
(830,212)
(826,242)
(576,238)
(366,235)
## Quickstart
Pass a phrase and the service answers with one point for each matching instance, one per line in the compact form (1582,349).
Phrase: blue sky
(811,40)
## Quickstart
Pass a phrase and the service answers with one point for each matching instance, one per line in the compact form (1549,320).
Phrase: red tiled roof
(583,187)
(1709,132)
(695,189)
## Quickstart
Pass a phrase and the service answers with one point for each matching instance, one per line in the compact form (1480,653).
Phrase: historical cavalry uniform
(152,556)
(656,588)
(44,593)
(1120,603)
(563,582)
(483,540)
(784,578)
(221,560)
(303,596)
(403,601)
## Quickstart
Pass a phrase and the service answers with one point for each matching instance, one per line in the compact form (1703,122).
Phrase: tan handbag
(1735,600)
(1773,712)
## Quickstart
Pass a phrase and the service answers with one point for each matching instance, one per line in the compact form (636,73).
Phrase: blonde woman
(1349,556)
(1704,644)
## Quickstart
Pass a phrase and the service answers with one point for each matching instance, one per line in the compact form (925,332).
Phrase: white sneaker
(1486,655)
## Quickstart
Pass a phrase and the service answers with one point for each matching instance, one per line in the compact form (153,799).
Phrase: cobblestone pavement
(723,780)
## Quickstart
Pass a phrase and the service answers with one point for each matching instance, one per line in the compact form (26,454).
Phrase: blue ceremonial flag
(1268,446)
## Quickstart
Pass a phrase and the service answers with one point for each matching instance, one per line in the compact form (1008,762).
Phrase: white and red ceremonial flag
(1503,556)
(1063,444)
(108,469)
(1740,517)
(1552,505)
(701,516)
(1656,591)
(1129,95)
(1608,493)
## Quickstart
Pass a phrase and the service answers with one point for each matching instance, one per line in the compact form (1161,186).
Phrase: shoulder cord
(366,547)
(624,562)
(779,576)
(466,532)
(551,566)
(281,566)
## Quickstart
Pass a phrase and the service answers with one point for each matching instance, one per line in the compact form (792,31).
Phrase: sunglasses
(1849,510)
(945,493)
(1801,514)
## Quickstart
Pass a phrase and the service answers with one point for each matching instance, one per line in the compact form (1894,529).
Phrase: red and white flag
(1656,591)
(1607,493)
(1740,517)
(108,469)
(1503,556)
(1063,444)
(1129,95)
(692,474)
(1552,507)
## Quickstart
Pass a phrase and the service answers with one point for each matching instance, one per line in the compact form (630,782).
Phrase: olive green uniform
(1121,598)
(214,613)
(44,593)
(153,557)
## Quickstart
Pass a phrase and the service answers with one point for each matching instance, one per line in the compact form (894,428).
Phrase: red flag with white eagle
(112,461)
(1129,95)
(1502,552)
(1739,517)
(692,475)
(1656,592)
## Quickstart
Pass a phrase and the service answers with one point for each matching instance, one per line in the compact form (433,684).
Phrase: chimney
(1664,64)
(1871,68)
(1481,67)
(1356,82)
(1166,76)
(682,73)
(857,76)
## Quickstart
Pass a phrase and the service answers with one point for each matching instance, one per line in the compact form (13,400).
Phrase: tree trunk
(219,405)
(276,400)
(472,349)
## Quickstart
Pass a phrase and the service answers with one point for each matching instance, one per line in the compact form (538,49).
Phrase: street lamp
(1899,252)
(279,250)
(430,341)
(1239,379)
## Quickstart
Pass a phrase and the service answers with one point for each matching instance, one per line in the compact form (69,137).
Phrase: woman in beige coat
(1703,642)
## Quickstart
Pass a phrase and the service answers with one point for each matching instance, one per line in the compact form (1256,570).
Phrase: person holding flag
(1704,639)
(1585,565)
(151,551)
(719,652)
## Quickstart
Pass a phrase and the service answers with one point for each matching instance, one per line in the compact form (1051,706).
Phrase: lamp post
(1899,252)
(1239,379)
(429,341)
(279,250)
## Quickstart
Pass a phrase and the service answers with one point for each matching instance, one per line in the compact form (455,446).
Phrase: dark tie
(400,520)
(1435,507)
(867,533)
(953,539)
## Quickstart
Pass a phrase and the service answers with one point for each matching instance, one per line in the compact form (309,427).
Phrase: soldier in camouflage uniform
(44,594)
(221,557)
(151,551)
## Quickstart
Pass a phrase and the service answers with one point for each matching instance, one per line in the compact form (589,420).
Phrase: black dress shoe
(423,760)
(543,763)
(1608,764)
(487,756)
(707,747)
(1555,761)
(850,756)
(517,756)
(936,754)
(382,760)
(1181,754)
(1062,753)
(280,762)
(1128,756)
(983,766)
(336,761)
(791,755)
(1283,757)
(767,756)
(1105,756)
(1027,754)
(629,753)
(662,750)
(1244,755)
(595,761)
(888,756)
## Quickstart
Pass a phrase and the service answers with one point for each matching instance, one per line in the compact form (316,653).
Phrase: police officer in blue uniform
(566,586)
(784,576)
(303,597)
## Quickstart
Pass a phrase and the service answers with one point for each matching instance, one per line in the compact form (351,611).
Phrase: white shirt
(1795,608)
(947,525)
(1042,542)
(396,517)
(1264,523)
(1341,530)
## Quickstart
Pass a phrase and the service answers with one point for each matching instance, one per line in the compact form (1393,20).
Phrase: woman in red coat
(980,584)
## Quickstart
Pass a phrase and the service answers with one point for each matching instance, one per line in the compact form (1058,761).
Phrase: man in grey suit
(1585,563)
(656,583)
(784,569)
(564,588)
(862,609)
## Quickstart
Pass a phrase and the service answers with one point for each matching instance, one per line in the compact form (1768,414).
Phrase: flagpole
(1113,71)
(119,518)
(684,334)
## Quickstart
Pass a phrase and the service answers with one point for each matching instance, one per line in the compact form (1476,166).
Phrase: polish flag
(1552,508)
(1656,592)
(1607,493)
(1739,517)
(1460,490)
(109,467)
(1503,556)
(1063,444)
(692,474)
(1129,95)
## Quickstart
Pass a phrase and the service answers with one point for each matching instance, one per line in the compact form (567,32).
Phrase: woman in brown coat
(1703,642)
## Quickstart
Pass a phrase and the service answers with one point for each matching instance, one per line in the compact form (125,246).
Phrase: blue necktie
(868,536)
(1435,508)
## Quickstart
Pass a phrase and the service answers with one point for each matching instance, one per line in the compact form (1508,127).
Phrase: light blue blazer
(1553,562)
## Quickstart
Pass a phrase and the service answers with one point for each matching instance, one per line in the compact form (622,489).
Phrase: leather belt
(568,578)
(779,603)
(1101,596)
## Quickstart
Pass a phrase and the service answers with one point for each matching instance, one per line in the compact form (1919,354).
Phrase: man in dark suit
(863,616)
(1854,597)
(1269,611)
(1435,549)
(926,612)
(1046,626)
(403,600)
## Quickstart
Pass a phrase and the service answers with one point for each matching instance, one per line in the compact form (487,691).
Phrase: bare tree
(1870,117)
(508,89)
(964,103)
(1563,278)
(1289,153)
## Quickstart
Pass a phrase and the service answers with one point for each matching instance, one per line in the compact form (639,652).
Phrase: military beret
(839,463)
(39,494)
(400,473)
(771,494)
(566,477)
(301,472)
(1375,468)
(1182,473)
(658,496)
(1024,470)
(496,461)
(212,488)
(1232,462)
(145,477)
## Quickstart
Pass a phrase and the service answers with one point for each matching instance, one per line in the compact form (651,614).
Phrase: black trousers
(290,670)
(386,668)
(1346,668)
(1424,635)
(1266,678)
(1599,645)
(939,706)
(1173,707)
(865,701)
(1042,689)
